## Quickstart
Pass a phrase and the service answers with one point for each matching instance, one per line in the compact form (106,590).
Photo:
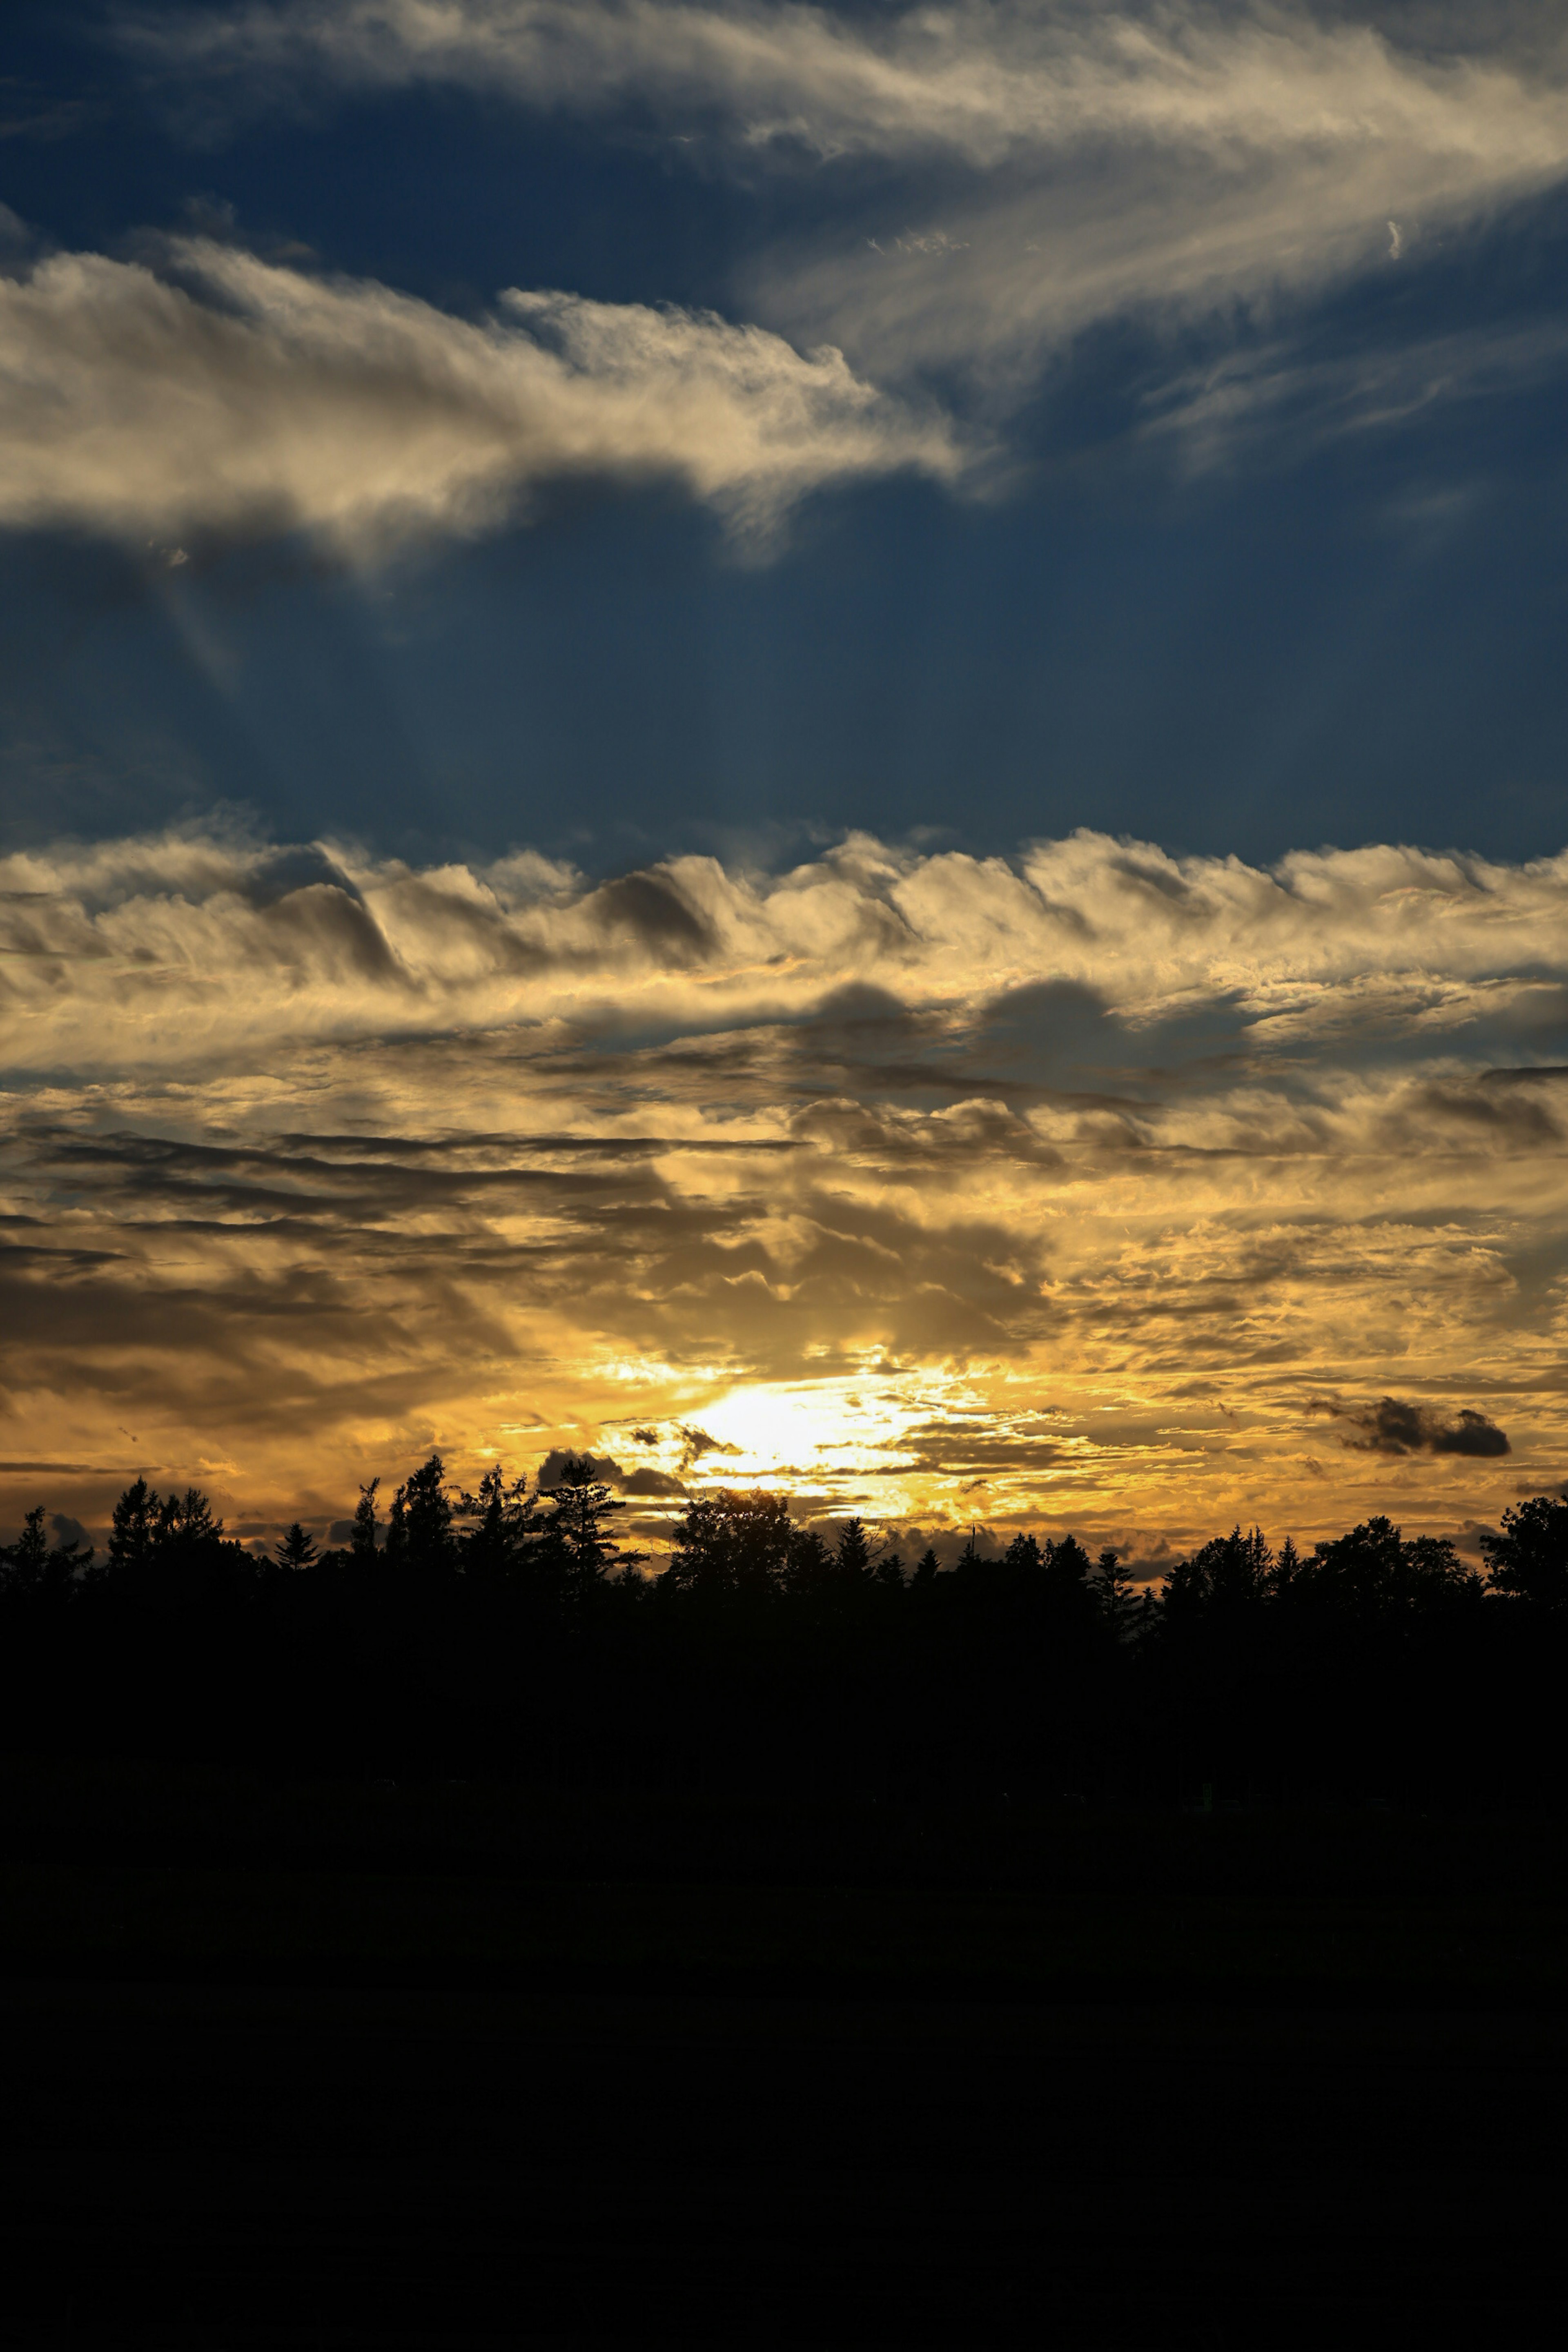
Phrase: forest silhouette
(513,1632)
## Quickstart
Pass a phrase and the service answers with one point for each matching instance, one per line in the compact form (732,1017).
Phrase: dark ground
(470,2068)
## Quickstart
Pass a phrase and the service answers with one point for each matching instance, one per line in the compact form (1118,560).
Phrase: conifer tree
(576,1537)
(362,1540)
(1112,1588)
(295,1550)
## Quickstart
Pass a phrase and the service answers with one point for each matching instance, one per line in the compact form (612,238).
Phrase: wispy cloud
(983,79)
(1264,391)
(228,393)
(1045,166)
(1066,1187)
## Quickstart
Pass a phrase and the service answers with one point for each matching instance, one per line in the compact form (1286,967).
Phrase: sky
(819,746)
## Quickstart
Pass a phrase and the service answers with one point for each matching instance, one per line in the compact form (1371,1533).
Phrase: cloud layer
(1077,1189)
(228,393)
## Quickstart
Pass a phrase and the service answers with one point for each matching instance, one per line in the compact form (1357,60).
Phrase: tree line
(513,1630)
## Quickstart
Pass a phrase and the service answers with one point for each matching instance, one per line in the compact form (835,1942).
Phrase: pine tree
(419,1527)
(133,1526)
(576,1535)
(502,1514)
(363,1540)
(852,1553)
(430,1518)
(1112,1588)
(889,1572)
(32,1568)
(295,1550)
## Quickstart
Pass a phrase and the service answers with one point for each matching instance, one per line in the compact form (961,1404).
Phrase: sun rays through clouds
(1095,1187)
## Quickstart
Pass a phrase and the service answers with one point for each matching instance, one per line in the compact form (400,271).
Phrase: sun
(816,1428)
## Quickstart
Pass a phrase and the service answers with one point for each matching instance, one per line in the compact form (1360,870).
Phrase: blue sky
(810,744)
(1276,564)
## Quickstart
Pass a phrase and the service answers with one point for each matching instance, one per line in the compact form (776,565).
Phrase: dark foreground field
(461,2067)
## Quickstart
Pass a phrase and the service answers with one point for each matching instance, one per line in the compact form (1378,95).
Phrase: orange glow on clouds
(1099,1189)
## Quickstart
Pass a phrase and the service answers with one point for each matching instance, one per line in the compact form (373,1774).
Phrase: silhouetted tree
(575,1539)
(728,1544)
(362,1537)
(133,1529)
(1372,1575)
(295,1550)
(1112,1588)
(496,1546)
(419,1533)
(1066,1583)
(807,1571)
(1231,1576)
(501,1636)
(1528,1558)
(32,1569)
(186,1524)
(852,1553)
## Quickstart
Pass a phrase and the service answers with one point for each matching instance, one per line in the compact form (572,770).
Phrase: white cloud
(180,950)
(1106,158)
(1266,391)
(983,81)
(237,393)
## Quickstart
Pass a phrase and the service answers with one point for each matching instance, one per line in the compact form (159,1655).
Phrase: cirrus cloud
(1042,167)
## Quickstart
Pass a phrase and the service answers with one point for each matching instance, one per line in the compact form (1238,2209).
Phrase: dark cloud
(553,1467)
(1497,1116)
(1393,1427)
(649,905)
(279,871)
(963,1449)
(643,1481)
(325,926)
(651,1482)
(1472,1433)
(696,1442)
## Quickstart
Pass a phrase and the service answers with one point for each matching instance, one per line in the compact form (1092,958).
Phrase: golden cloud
(1060,1190)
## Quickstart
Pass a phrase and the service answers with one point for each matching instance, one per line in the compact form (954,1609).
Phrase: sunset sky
(807,745)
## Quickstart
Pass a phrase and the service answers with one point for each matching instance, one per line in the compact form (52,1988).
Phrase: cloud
(1396,1427)
(1085,1173)
(981,80)
(1148,971)
(644,1484)
(696,1442)
(1019,172)
(229,393)
(1281,389)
